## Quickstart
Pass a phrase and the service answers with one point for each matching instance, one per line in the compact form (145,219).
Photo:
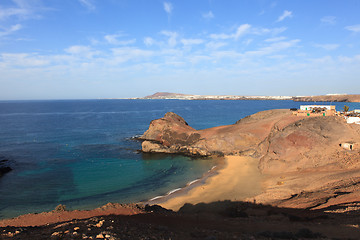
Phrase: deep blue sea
(80,152)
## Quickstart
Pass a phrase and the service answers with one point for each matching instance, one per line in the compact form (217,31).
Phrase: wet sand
(238,180)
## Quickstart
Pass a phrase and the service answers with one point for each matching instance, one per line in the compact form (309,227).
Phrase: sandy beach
(238,180)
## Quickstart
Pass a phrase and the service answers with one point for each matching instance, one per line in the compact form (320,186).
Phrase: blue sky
(85,49)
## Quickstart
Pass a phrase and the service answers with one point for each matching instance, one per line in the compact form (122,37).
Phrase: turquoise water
(80,153)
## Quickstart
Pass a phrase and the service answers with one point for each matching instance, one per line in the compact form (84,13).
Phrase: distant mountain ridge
(320,98)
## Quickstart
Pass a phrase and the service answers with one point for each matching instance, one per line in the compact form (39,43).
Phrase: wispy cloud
(286,14)
(89,4)
(172,41)
(330,20)
(168,7)
(215,45)
(190,41)
(113,39)
(81,51)
(10,30)
(274,47)
(24,60)
(240,31)
(353,28)
(209,15)
(328,47)
(276,39)
(148,41)
(21,9)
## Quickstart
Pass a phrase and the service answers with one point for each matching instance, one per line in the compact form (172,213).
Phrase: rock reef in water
(4,167)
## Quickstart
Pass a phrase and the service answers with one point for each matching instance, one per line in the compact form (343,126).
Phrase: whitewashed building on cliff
(316,110)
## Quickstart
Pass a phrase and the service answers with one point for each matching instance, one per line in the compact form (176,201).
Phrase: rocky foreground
(218,220)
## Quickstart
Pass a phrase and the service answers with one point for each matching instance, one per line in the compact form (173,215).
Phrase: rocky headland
(301,158)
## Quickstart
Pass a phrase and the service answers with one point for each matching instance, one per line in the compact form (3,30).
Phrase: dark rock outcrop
(4,167)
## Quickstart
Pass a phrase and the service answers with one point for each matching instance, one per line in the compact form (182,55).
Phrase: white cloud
(172,41)
(22,9)
(168,7)
(331,20)
(328,47)
(113,39)
(125,54)
(209,15)
(191,41)
(286,14)
(346,60)
(23,60)
(89,4)
(240,31)
(76,49)
(11,30)
(81,51)
(276,39)
(274,47)
(247,42)
(222,36)
(215,45)
(148,41)
(353,28)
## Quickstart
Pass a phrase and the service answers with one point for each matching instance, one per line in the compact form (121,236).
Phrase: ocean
(81,153)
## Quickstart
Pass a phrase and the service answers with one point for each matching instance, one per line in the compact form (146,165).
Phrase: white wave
(192,182)
(157,197)
(175,190)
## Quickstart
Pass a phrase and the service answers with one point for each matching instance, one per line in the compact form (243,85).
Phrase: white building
(311,107)
(355,120)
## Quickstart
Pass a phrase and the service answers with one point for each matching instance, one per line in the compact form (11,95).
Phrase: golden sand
(238,180)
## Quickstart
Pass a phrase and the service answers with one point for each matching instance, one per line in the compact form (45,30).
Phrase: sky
(89,49)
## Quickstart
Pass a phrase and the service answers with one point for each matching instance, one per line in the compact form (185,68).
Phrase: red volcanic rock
(309,143)
(171,134)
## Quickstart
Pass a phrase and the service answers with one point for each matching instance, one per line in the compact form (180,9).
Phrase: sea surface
(81,153)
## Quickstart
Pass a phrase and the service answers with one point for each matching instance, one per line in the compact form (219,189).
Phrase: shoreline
(239,179)
(231,173)
(182,191)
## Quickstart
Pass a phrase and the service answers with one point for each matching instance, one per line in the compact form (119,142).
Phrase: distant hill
(320,98)
(166,95)
(330,98)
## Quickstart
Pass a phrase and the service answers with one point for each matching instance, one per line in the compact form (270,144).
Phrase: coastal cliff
(304,160)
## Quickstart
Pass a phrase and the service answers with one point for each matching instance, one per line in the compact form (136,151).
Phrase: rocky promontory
(307,162)
(281,140)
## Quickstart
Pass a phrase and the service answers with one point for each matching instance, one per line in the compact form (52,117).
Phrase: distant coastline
(320,98)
